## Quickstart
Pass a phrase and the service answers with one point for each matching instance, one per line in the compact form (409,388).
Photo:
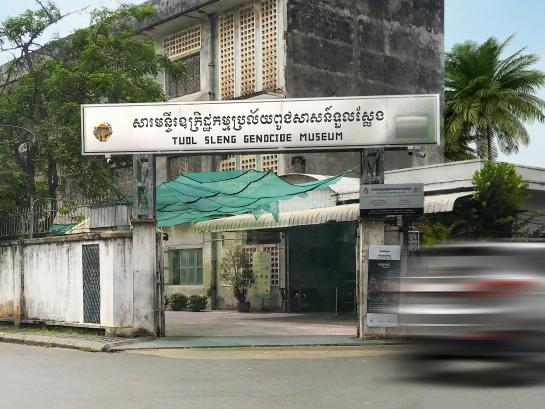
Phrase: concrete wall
(364,47)
(10,259)
(51,273)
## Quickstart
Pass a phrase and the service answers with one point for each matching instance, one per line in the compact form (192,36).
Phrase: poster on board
(383,285)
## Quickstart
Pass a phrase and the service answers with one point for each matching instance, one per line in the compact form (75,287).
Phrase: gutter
(175,16)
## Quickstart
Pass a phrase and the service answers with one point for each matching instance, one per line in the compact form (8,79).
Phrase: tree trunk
(489,144)
(52,185)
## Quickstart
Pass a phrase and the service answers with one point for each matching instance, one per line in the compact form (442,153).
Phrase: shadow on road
(475,374)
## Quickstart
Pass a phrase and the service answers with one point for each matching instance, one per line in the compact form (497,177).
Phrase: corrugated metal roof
(442,203)
(345,213)
(338,214)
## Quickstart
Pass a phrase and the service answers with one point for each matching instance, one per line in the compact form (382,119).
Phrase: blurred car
(475,300)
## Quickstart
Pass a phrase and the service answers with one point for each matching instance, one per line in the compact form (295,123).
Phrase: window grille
(229,163)
(185,267)
(250,249)
(90,255)
(183,43)
(247,50)
(269,49)
(226,34)
(190,83)
(248,162)
(274,251)
(269,162)
(253,46)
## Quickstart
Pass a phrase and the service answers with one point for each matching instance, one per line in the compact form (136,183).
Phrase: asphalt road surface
(351,377)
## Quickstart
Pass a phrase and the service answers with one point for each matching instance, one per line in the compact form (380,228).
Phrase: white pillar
(144,265)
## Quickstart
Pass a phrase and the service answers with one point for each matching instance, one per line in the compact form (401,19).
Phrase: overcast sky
(464,20)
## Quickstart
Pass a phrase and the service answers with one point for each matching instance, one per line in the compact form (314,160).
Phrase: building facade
(264,49)
(236,49)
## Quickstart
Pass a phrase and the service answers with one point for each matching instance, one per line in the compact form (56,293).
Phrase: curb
(123,348)
(89,345)
(51,341)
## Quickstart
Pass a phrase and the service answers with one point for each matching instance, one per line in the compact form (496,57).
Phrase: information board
(261,262)
(392,199)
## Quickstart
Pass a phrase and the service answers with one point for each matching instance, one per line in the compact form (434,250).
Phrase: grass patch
(49,330)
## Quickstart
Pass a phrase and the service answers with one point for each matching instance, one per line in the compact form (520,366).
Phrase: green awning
(196,197)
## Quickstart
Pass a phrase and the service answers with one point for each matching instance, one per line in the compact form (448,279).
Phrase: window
(190,83)
(248,162)
(269,162)
(182,164)
(229,163)
(248,50)
(185,45)
(185,267)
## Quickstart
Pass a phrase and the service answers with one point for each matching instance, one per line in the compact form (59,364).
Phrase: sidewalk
(60,339)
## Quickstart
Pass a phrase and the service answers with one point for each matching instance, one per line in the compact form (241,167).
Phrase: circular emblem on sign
(103,131)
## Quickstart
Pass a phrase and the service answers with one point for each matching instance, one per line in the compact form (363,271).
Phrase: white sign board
(392,199)
(383,285)
(260,125)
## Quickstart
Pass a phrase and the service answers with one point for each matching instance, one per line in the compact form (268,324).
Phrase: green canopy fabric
(196,197)
(61,228)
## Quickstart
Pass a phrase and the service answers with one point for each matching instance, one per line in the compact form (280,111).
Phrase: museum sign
(260,125)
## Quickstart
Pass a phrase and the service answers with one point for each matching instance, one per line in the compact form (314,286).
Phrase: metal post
(372,166)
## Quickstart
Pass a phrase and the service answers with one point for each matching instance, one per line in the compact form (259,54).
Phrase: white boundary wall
(52,274)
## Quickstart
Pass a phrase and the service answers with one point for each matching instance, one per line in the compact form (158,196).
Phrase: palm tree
(488,100)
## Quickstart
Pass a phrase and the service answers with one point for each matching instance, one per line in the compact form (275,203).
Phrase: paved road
(369,377)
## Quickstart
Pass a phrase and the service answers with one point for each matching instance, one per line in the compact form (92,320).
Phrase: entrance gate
(242,126)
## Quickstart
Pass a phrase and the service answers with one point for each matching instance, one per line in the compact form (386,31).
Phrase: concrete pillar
(369,232)
(19,285)
(144,265)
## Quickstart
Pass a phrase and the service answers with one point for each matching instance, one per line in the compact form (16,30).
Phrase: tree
(235,269)
(488,99)
(495,209)
(45,86)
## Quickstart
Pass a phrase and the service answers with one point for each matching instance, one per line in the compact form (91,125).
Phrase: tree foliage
(496,208)
(434,233)
(104,63)
(235,269)
(489,99)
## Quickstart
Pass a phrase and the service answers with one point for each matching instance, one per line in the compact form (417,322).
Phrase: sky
(464,20)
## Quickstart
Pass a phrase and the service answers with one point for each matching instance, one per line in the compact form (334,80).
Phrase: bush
(178,301)
(198,302)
